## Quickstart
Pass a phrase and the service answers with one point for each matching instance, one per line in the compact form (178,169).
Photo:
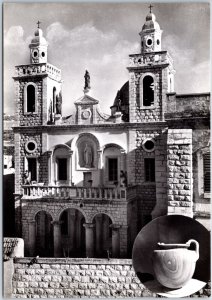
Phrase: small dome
(150,23)
(38,38)
(122,97)
(151,17)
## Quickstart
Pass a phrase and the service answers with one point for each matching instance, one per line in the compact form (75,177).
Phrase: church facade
(86,184)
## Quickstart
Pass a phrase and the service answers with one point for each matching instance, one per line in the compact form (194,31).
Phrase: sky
(99,37)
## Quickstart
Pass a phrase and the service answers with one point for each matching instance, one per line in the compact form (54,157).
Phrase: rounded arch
(73,143)
(102,234)
(112,145)
(30,97)
(91,136)
(147,90)
(59,213)
(55,147)
(72,232)
(37,211)
(44,234)
(102,213)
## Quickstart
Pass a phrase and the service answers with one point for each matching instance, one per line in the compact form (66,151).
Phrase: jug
(174,264)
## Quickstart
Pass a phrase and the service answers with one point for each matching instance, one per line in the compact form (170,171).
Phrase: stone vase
(174,264)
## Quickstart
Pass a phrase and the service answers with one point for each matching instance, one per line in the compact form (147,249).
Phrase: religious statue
(123,178)
(118,103)
(27,177)
(88,156)
(50,114)
(87,81)
(59,104)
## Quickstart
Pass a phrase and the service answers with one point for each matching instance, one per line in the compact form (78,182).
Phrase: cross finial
(150,8)
(38,23)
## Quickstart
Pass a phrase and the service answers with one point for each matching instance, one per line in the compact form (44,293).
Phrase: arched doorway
(44,234)
(72,233)
(102,235)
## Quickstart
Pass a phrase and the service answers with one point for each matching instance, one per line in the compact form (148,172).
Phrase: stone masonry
(179,164)
(74,278)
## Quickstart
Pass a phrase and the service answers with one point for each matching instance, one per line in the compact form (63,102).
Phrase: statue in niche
(27,177)
(87,81)
(50,115)
(88,156)
(59,103)
(123,178)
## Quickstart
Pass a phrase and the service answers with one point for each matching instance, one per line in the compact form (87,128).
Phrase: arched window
(148,91)
(54,99)
(30,98)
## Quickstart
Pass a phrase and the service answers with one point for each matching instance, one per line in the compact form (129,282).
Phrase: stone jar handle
(196,247)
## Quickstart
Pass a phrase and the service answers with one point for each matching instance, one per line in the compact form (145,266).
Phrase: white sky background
(99,37)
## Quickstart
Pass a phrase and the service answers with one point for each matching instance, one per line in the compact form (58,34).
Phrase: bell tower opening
(148,91)
(30,98)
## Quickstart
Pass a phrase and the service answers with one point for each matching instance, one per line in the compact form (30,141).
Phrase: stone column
(115,240)
(98,219)
(179,172)
(50,168)
(32,237)
(89,239)
(105,232)
(18,215)
(71,227)
(70,168)
(123,160)
(57,238)
(100,166)
(78,230)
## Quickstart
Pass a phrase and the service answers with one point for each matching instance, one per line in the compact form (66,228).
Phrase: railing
(136,60)
(38,69)
(69,192)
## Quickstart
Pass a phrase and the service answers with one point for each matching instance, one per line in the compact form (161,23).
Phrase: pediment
(86,100)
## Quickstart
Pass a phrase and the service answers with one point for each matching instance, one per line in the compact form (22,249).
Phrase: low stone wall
(59,278)
(74,277)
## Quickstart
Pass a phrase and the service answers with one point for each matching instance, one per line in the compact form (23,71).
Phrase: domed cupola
(38,47)
(150,34)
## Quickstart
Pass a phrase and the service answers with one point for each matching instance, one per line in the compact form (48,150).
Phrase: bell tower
(151,75)
(38,86)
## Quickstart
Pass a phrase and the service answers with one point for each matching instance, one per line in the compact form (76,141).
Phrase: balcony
(73,192)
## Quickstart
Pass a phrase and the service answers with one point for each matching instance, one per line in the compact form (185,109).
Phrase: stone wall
(68,278)
(60,278)
(179,165)
(188,105)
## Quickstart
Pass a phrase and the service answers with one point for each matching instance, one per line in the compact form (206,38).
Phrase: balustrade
(140,60)
(73,192)
(27,70)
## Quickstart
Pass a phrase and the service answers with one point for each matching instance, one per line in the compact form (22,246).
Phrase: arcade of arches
(71,236)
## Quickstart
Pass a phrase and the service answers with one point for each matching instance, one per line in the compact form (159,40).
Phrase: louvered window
(206,170)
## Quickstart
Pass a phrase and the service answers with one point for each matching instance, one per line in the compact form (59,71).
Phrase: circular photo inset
(171,256)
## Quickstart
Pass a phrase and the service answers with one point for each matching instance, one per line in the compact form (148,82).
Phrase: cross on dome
(38,23)
(150,8)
